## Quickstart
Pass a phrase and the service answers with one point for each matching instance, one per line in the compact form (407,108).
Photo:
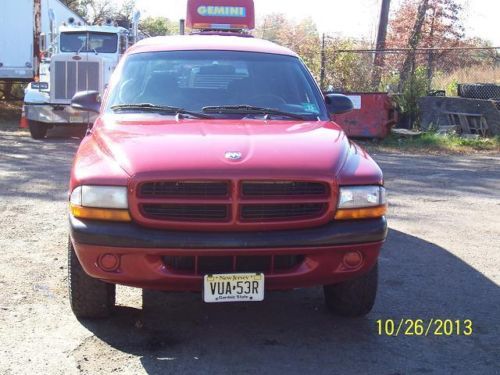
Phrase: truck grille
(240,205)
(204,265)
(74,76)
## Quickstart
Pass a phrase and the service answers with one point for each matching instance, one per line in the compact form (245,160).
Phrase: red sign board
(221,14)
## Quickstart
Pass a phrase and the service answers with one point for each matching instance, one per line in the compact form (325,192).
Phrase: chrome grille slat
(73,76)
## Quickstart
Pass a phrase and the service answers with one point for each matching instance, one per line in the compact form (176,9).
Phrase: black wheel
(38,130)
(353,298)
(89,297)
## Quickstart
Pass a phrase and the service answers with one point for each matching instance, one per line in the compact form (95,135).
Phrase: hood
(166,148)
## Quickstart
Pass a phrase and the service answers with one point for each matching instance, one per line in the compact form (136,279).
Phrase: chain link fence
(435,72)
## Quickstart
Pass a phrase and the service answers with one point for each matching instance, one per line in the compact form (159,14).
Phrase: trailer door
(16,39)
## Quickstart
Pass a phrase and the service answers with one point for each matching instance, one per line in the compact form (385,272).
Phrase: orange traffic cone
(23,123)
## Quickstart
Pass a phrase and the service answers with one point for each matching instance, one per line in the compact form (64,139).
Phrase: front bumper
(57,114)
(141,252)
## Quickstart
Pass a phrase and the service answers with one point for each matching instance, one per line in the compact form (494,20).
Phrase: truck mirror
(338,104)
(42,42)
(87,101)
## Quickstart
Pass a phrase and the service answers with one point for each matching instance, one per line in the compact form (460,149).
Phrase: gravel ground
(441,260)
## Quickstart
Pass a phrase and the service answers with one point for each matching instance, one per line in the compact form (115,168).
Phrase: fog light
(353,259)
(109,262)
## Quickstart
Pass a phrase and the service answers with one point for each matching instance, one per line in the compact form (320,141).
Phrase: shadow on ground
(292,332)
(428,176)
(36,169)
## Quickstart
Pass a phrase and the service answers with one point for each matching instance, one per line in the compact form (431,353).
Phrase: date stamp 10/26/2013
(424,327)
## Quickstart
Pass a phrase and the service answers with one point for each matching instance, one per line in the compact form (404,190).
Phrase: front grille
(283,188)
(74,76)
(204,265)
(281,211)
(224,204)
(183,212)
(167,189)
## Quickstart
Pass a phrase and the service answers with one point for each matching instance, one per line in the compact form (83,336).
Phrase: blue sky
(357,18)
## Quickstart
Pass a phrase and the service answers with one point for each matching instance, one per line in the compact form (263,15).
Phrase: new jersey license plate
(75,119)
(235,287)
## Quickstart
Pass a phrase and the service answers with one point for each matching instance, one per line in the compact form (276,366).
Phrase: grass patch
(433,142)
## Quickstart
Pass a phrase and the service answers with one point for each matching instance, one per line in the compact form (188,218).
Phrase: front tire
(90,298)
(353,298)
(38,130)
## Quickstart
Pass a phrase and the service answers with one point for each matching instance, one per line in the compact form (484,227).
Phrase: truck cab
(81,58)
(214,166)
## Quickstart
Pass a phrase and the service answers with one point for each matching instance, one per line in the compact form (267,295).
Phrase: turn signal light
(361,213)
(100,213)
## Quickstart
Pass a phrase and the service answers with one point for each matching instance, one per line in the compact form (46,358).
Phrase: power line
(421,50)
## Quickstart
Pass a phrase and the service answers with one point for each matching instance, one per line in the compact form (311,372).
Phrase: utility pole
(182,27)
(378,62)
(323,63)
(37,30)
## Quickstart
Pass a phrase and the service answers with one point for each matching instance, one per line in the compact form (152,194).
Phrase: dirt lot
(441,260)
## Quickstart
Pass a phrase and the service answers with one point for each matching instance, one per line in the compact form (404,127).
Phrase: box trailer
(21,23)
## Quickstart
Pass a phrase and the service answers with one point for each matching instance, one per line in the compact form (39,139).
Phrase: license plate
(77,119)
(236,287)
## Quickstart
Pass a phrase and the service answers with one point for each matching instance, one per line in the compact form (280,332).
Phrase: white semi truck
(80,58)
(24,27)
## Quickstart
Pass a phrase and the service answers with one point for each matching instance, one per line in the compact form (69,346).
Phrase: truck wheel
(38,130)
(353,298)
(90,298)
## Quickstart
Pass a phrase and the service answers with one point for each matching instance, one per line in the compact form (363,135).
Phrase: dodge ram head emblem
(233,155)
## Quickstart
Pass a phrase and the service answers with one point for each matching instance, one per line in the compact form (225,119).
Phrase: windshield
(89,42)
(197,80)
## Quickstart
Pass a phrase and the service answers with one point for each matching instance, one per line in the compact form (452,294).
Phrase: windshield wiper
(148,107)
(250,109)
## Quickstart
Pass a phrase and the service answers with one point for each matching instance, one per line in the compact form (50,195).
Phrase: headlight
(361,202)
(100,203)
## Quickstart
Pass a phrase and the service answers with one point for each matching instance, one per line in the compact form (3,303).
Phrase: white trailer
(21,23)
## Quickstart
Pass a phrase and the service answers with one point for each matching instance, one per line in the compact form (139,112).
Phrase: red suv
(214,166)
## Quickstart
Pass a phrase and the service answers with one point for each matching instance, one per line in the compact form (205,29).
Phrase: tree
(158,26)
(426,24)
(343,71)
(347,71)
(301,37)
(416,35)
(96,12)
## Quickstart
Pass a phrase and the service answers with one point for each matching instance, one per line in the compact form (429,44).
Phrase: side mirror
(338,104)
(89,101)
(42,42)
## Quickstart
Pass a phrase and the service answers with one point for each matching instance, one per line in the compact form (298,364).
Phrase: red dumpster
(373,116)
